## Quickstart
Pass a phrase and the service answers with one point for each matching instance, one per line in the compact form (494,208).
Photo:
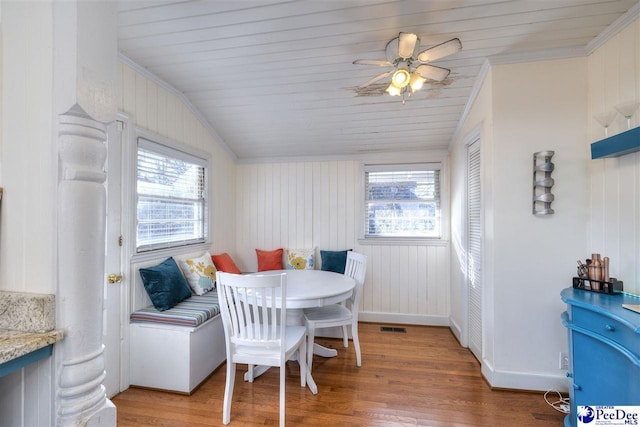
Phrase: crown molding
(613,29)
(539,55)
(181,96)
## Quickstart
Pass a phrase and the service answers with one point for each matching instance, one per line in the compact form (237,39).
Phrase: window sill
(173,251)
(403,241)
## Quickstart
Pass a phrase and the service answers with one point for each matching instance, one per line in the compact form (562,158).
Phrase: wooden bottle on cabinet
(595,272)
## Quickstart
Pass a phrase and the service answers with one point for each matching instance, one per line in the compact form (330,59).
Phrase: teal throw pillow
(165,284)
(334,261)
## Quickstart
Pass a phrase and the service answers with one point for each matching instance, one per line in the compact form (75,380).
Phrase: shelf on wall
(617,145)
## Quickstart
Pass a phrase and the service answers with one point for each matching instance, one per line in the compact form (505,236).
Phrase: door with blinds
(474,248)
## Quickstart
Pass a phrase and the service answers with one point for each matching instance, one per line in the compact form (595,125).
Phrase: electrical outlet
(563,361)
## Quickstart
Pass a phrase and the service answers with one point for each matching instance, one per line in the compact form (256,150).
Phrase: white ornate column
(84,69)
(81,397)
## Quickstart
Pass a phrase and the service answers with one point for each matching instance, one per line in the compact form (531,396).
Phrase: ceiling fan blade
(376,78)
(432,72)
(381,63)
(441,50)
(406,44)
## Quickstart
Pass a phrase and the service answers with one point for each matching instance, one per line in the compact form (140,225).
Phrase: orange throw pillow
(269,260)
(223,262)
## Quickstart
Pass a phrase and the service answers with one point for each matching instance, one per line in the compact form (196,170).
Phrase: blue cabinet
(604,350)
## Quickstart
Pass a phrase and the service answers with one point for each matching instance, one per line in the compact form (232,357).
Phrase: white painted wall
(29,179)
(614,186)
(29,173)
(537,106)
(303,204)
(532,107)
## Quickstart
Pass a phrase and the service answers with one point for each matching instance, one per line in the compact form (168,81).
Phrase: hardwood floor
(421,377)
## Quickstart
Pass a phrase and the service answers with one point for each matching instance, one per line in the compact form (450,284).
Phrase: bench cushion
(193,311)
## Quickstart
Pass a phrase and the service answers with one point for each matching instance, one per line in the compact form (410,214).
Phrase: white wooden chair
(253,332)
(343,314)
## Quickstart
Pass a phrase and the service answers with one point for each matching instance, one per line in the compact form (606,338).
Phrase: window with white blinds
(402,201)
(171,197)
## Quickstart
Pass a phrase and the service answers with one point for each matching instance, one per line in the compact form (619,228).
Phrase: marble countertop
(27,324)
(14,344)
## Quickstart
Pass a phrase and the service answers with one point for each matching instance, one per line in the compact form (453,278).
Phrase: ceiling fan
(411,69)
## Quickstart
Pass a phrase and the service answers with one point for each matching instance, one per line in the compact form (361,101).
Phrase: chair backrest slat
(356,268)
(250,308)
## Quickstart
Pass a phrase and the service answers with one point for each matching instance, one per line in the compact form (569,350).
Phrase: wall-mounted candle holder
(542,183)
(628,109)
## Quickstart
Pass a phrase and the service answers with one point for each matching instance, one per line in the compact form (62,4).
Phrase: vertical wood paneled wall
(614,77)
(296,205)
(318,204)
(155,109)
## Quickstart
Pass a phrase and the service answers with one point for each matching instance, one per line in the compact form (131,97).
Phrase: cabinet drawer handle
(610,328)
(569,375)
(576,387)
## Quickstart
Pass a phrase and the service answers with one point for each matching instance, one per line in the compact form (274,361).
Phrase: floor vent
(392,329)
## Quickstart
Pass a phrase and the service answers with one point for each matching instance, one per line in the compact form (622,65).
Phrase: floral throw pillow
(300,259)
(200,273)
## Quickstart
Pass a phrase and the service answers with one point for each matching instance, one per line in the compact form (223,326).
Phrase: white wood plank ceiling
(275,78)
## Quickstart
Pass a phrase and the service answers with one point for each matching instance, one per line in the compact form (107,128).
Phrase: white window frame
(398,240)
(178,150)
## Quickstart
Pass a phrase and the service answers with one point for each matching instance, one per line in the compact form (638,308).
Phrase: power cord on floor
(560,405)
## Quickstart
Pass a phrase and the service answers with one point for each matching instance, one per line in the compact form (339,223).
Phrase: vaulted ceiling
(275,78)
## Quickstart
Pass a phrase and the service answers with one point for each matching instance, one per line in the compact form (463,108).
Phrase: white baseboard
(525,380)
(396,318)
(405,319)
(457,332)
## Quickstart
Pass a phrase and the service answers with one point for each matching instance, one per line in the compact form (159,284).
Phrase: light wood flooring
(418,378)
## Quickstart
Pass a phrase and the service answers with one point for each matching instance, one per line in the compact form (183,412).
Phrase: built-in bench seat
(174,349)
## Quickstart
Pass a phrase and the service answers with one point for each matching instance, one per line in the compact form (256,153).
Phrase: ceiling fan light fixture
(400,78)
(393,90)
(408,66)
(416,82)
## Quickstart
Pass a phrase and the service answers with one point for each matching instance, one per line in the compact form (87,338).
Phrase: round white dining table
(311,288)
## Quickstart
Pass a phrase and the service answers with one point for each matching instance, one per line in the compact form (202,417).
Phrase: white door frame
(123,131)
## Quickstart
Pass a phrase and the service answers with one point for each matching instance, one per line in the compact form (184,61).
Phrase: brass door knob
(114,278)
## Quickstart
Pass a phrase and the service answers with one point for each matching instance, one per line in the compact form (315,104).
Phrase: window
(402,201)
(171,197)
